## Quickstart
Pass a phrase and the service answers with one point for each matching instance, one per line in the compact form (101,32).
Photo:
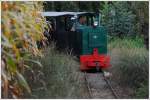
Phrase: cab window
(85,20)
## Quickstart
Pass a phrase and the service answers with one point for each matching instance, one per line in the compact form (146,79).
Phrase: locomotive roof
(55,14)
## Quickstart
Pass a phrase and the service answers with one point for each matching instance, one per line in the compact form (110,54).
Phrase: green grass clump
(126,42)
(130,67)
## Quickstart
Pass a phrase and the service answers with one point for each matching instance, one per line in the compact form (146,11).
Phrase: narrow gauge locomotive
(82,32)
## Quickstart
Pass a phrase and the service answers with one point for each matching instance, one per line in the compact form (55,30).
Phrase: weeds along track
(99,87)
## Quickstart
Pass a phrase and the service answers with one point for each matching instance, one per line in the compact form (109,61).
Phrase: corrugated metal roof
(54,14)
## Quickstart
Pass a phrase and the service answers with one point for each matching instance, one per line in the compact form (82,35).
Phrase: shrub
(130,65)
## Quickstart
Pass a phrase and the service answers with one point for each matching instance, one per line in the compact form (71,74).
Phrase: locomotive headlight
(95,23)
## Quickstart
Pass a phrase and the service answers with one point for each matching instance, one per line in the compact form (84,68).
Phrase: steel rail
(107,82)
(111,88)
(88,85)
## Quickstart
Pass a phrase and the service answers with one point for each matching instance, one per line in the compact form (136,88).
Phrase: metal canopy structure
(55,14)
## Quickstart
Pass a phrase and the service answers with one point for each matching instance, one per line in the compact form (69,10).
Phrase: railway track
(99,87)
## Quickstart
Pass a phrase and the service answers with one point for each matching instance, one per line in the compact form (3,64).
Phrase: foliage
(71,5)
(118,19)
(140,9)
(142,92)
(125,18)
(129,61)
(21,26)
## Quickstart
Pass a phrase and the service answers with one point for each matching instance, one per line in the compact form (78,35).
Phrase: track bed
(98,86)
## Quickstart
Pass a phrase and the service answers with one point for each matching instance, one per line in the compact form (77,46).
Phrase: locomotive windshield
(87,20)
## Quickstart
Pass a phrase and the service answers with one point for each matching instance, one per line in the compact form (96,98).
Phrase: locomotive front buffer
(90,61)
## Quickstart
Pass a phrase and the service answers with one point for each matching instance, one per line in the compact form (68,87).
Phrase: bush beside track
(129,59)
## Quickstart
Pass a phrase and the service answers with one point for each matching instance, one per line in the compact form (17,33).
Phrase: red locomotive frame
(96,59)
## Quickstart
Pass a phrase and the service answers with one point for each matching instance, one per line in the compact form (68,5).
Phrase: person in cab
(81,21)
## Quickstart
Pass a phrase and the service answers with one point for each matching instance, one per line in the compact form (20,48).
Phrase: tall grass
(130,67)
(126,42)
(62,77)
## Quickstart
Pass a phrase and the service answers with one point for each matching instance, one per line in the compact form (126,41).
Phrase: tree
(71,6)
(118,19)
(140,9)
